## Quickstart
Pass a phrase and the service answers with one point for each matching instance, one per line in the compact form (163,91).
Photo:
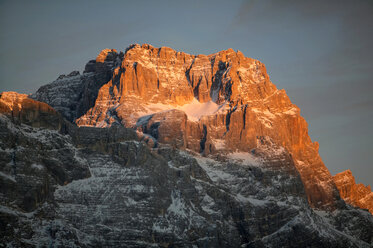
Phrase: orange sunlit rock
(151,80)
(103,55)
(37,114)
(357,195)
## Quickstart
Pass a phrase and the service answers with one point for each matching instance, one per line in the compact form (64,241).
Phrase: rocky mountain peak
(248,105)
(106,55)
(225,103)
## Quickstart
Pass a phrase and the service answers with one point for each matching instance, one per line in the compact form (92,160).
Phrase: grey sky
(320,52)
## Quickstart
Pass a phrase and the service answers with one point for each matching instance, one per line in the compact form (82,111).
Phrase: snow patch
(6,176)
(245,158)
(195,110)
(214,170)
(251,200)
(10,211)
(219,144)
(207,204)
(157,228)
(292,111)
(177,206)
(37,166)
(264,116)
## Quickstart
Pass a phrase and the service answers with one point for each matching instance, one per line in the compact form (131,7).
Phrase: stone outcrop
(22,109)
(35,157)
(357,195)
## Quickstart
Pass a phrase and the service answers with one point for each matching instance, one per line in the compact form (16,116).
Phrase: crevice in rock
(187,73)
(228,117)
(196,89)
(153,130)
(217,81)
(113,114)
(228,90)
(244,116)
(204,138)
(13,158)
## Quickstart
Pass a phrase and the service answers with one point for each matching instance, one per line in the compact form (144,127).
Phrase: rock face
(357,195)
(102,187)
(22,109)
(74,94)
(35,156)
(229,101)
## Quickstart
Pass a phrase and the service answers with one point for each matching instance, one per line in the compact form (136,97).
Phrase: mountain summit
(219,103)
(151,147)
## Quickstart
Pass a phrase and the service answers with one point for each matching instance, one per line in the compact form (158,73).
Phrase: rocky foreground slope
(172,150)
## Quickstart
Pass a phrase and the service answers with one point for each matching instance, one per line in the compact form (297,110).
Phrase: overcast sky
(320,52)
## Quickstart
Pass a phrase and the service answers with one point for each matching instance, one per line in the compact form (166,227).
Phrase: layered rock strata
(357,195)
(35,153)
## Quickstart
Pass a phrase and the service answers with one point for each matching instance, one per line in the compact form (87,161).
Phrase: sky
(320,52)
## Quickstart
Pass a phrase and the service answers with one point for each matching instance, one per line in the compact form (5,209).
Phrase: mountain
(154,147)
(226,102)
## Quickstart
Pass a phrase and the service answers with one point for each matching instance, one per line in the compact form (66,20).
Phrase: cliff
(22,109)
(357,195)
